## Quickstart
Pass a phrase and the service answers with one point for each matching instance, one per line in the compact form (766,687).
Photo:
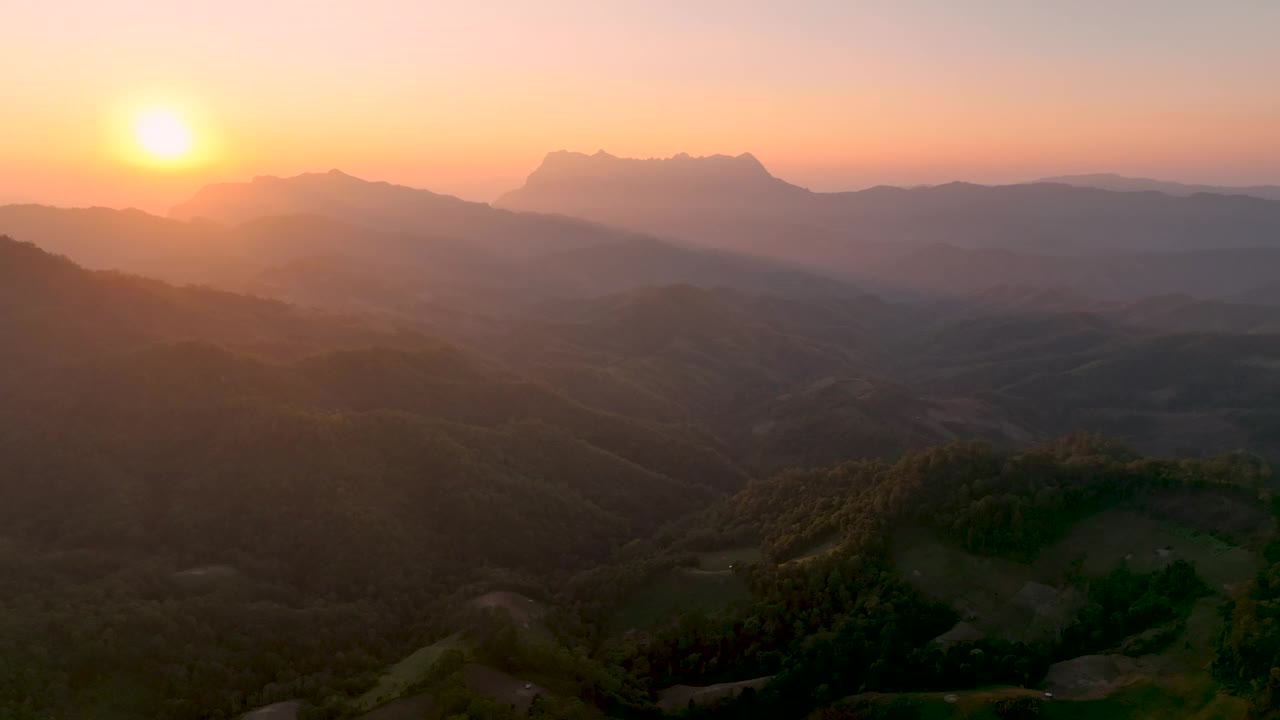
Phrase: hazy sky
(466,97)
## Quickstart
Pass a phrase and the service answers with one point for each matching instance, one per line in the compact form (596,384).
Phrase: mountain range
(1120,183)
(734,203)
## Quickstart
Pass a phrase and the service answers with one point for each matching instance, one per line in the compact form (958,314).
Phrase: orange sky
(466,97)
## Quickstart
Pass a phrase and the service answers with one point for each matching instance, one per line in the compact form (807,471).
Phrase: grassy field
(1146,544)
(1141,702)
(709,587)
(1006,598)
(1028,600)
(961,705)
(1150,702)
(816,551)
(727,559)
(527,614)
(981,589)
(681,590)
(416,707)
(679,696)
(503,687)
(406,673)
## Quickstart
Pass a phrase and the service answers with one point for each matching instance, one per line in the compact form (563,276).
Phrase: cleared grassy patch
(1006,598)
(960,704)
(817,551)
(1236,517)
(982,590)
(1146,544)
(728,559)
(679,591)
(407,673)
(1138,702)
(416,707)
(1028,600)
(1172,683)
(710,586)
(505,688)
(678,697)
(526,614)
(277,711)
(1149,702)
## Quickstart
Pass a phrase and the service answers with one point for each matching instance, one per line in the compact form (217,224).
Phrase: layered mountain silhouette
(119,388)
(57,313)
(734,179)
(336,241)
(550,249)
(1121,183)
(735,203)
(392,208)
(1229,273)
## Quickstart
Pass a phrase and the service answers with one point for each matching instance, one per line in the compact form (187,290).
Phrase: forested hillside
(706,474)
(850,619)
(141,448)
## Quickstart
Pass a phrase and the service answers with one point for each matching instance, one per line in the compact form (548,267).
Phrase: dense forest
(836,625)
(846,622)
(1248,652)
(256,511)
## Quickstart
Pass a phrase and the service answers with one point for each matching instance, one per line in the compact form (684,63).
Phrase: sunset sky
(466,97)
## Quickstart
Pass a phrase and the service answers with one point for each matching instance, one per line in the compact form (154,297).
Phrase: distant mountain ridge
(735,203)
(1121,183)
(392,208)
(715,173)
(1229,273)
(332,240)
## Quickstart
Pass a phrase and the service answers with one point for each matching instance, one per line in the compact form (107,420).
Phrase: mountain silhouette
(1112,276)
(735,177)
(734,203)
(1121,183)
(393,208)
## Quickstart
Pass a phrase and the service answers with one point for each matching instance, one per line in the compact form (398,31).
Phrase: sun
(162,134)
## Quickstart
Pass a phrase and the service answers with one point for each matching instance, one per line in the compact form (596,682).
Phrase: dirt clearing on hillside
(679,696)
(525,612)
(503,688)
(417,707)
(728,559)
(279,711)
(1093,677)
(816,551)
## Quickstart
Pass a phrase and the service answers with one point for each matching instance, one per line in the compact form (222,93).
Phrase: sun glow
(163,135)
